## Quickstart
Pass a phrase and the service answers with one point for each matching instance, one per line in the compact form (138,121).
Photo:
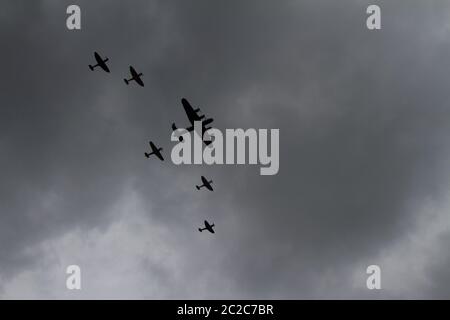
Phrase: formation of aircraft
(193,115)
(135,76)
(100,63)
(206,184)
(208,227)
(156,151)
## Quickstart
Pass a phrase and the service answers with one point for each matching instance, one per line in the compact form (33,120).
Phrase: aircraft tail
(198,188)
(200,229)
(126,81)
(147,155)
(91,67)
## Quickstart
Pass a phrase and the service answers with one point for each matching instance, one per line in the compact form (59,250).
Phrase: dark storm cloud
(60,131)
(362,119)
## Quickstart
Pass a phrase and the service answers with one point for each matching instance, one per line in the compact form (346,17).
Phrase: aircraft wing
(190,112)
(139,80)
(104,66)
(133,72)
(97,57)
(159,155)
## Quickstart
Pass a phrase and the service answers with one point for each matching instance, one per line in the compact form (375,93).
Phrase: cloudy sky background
(364,174)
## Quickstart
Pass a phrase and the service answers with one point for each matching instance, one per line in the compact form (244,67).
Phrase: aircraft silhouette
(208,227)
(100,63)
(134,76)
(206,184)
(156,151)
(193,115)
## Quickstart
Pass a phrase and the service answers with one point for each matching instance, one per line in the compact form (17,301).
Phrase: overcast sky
(364,120)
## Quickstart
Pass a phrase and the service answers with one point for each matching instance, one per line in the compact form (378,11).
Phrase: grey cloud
(363,137)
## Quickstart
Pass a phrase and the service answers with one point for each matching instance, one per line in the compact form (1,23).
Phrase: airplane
(100,63)
(156,151)
(193,115)
(208,227)
(134,76)
(206,184)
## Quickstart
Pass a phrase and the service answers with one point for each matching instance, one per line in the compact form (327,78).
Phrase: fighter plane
(134,76)
(208,227)
(100,63)
(206,184)
(156,151)
(193,115)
